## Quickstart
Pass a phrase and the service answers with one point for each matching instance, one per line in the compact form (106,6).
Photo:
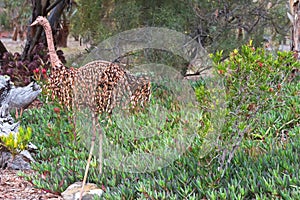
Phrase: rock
(73,191)
(27,155)
(7,126)
(17,163)
(31,147)
(4,84)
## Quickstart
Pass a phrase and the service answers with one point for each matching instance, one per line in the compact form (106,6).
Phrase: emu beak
(34,23)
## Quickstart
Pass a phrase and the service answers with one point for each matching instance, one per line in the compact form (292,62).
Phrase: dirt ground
(15,187)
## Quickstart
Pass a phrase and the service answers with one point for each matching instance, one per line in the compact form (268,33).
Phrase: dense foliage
(14,12)
(255,156)
(22,72)
(264,84)
(215,24)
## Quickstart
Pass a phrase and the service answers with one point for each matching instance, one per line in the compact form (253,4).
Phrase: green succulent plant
(18,142)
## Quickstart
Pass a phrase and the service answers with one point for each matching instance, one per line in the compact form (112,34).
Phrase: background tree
(216,24)
(228,24)
(14,16)
(34,58)
(54,11)
(2,49)
(293,14)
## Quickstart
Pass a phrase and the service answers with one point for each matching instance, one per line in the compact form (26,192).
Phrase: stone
(31,147)
(19,162)
(7,126)
(90,191)
(27,155)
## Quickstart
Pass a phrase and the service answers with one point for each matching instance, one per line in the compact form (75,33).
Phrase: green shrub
(17,142)
(260,91)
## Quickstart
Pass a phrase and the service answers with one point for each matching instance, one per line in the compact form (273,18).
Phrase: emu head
(40,20)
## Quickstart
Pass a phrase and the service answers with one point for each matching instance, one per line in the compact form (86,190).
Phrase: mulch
(14,187)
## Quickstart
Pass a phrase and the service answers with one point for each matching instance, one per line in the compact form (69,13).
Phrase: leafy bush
(261,91)
(21,71)
(98,20)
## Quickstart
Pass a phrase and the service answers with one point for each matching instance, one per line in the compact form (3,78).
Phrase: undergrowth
(254,156)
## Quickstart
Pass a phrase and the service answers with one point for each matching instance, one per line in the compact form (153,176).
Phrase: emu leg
(100,150)
(17,114)
(21,112)
(90,154)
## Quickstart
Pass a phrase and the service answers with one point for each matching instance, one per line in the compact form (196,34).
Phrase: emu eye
(101,85)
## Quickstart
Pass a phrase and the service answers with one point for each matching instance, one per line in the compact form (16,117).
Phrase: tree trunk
(2,49)
(295,12)
(42,8)
(54,19)
(34,33)
(63,33)
(15,33)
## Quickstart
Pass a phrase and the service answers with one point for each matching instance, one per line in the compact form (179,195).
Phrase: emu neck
(55,62)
